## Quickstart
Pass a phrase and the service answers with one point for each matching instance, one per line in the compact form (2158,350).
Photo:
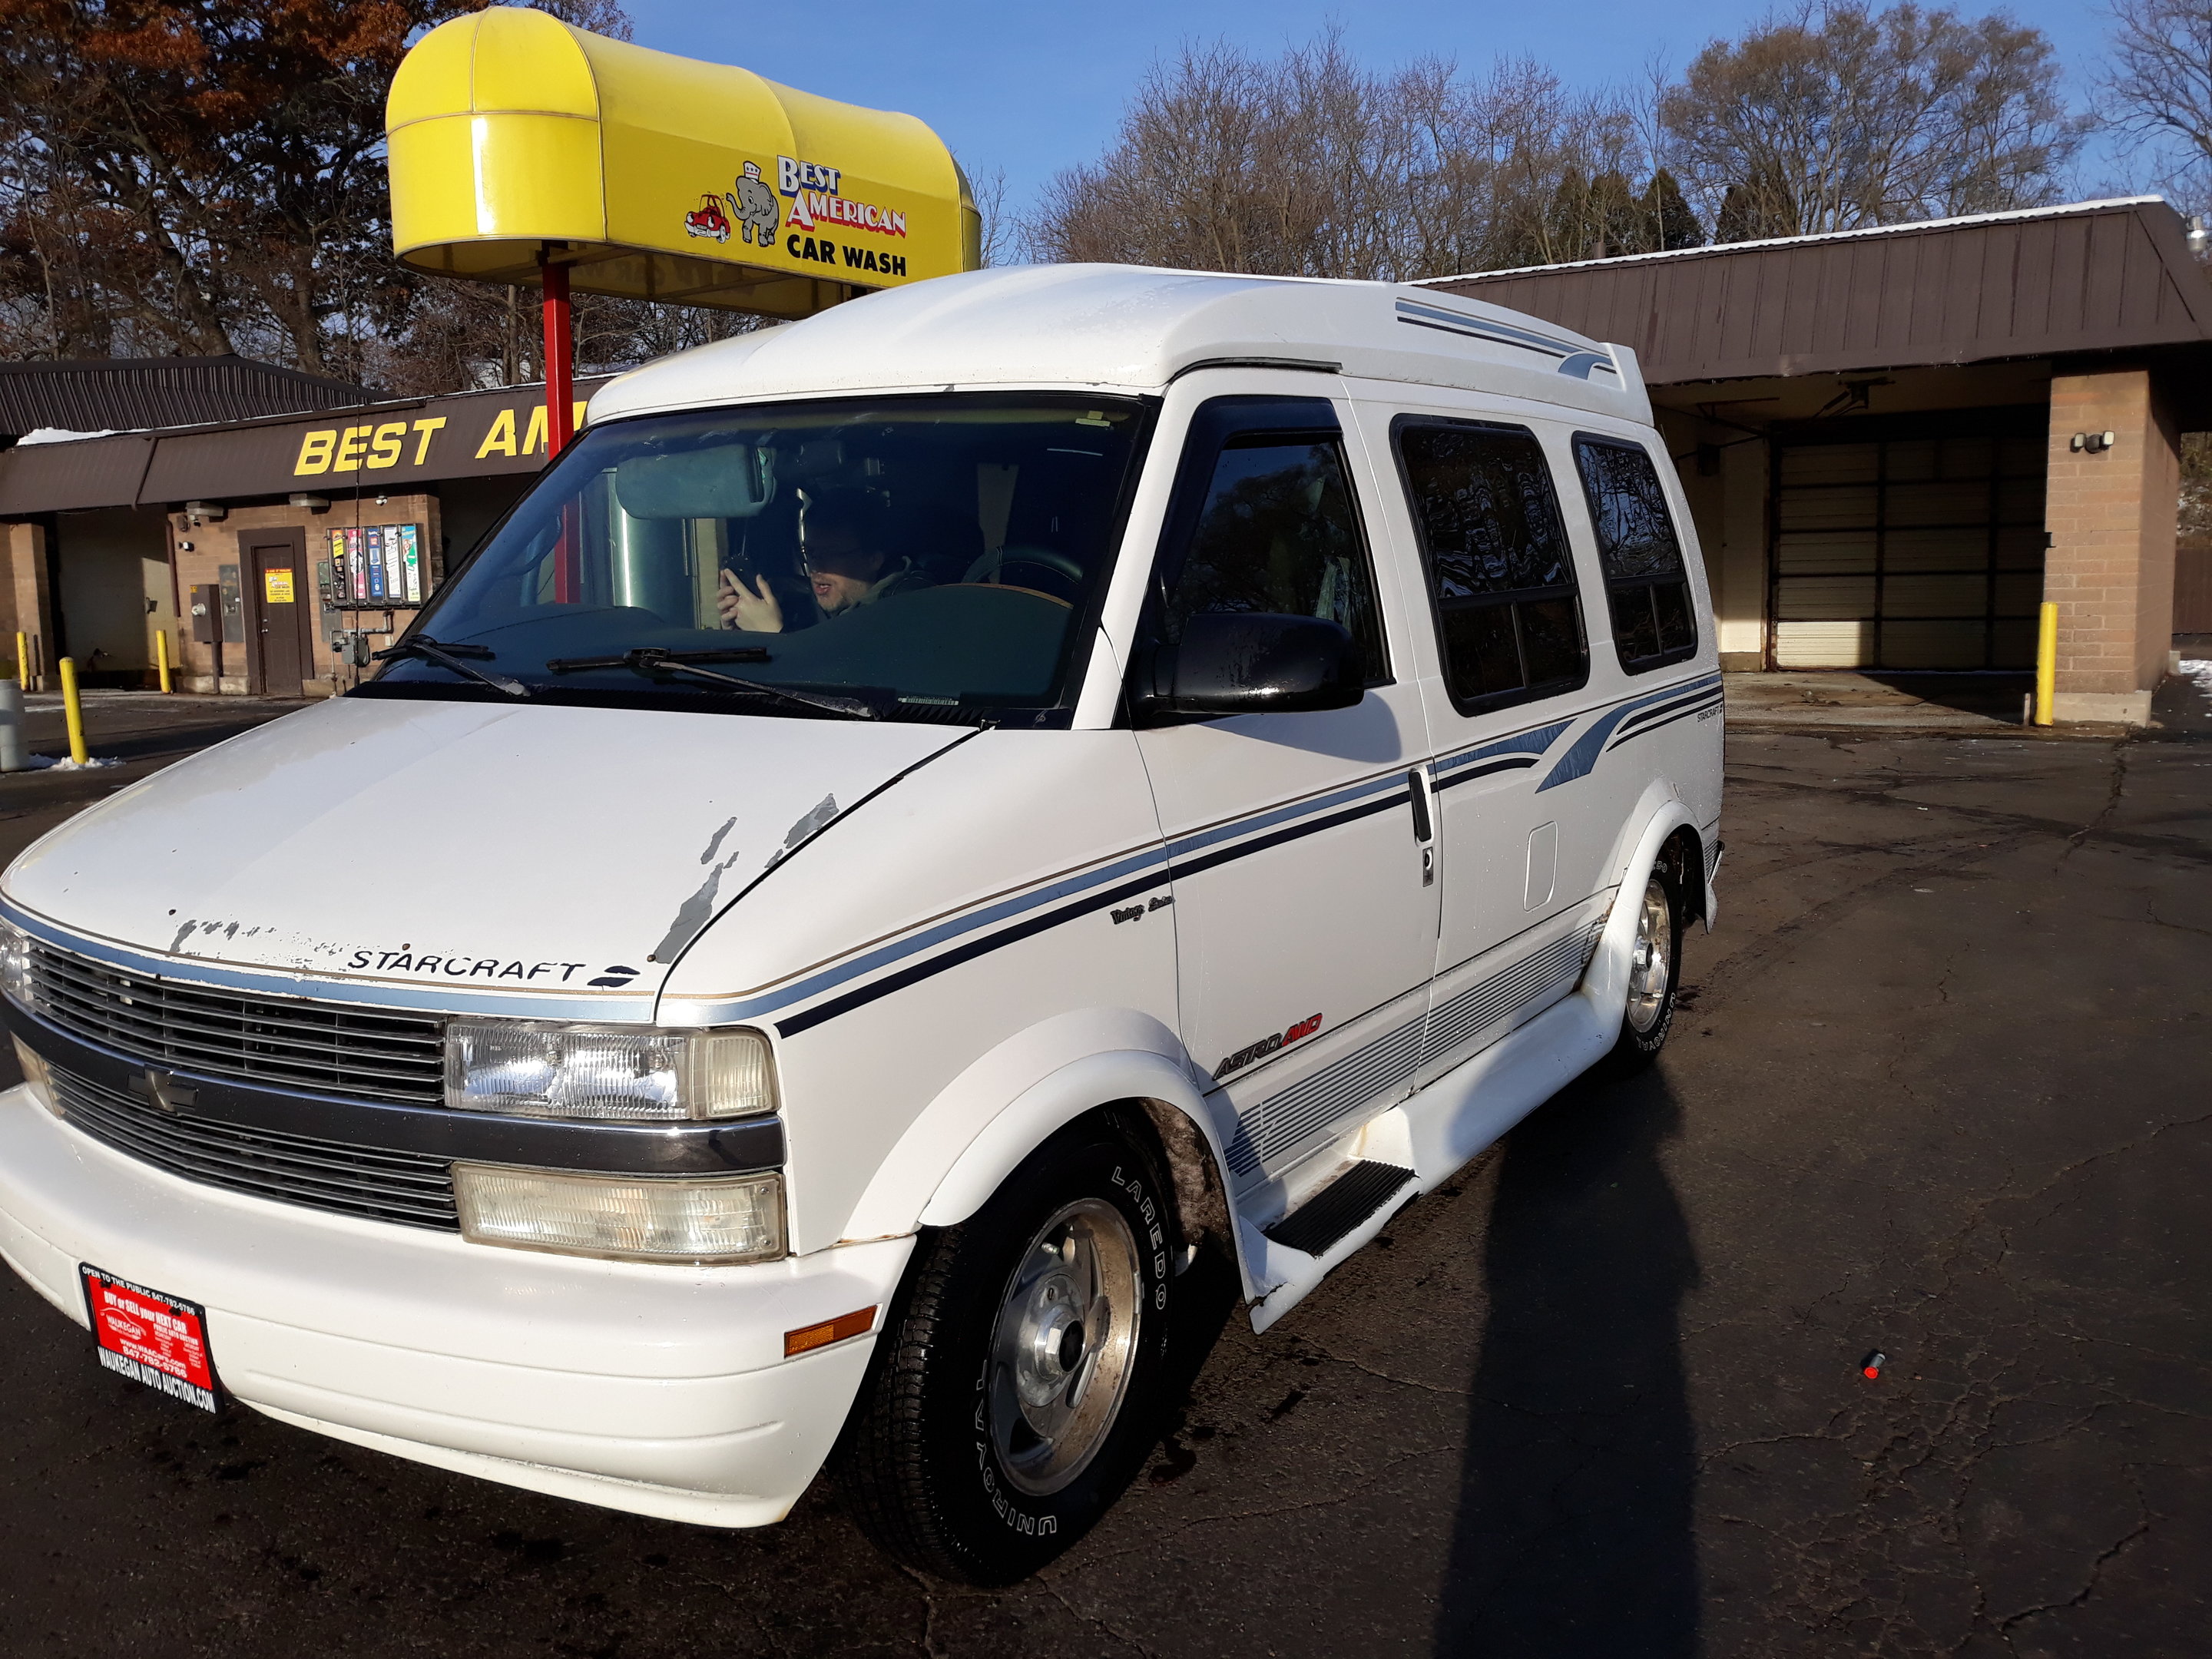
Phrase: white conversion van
(923,823)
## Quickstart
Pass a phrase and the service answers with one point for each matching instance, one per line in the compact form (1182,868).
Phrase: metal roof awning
(128,394)
(403,444)
(2093,277)
(656,177)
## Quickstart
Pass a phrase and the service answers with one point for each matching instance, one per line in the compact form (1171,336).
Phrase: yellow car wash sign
(658,177)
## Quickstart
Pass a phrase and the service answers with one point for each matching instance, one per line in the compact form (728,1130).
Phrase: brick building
(1895,441)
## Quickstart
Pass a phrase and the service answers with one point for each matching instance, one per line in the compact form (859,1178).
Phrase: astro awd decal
(1265,1046)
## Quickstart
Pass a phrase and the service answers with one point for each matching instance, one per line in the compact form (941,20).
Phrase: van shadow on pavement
(1573,1535)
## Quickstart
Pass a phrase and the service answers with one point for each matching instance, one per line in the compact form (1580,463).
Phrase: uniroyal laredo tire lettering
(1017,1518)
(1155,1235)
(920,1459)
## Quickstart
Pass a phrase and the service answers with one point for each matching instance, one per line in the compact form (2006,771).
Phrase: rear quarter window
(1646,588)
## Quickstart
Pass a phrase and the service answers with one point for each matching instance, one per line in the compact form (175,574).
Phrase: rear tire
(1014,1390)
(1654,975)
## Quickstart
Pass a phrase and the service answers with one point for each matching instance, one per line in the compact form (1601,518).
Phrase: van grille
(329,1048)
(412,1189)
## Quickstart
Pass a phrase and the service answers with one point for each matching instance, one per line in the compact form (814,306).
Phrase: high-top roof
(1129,328)
(108,394)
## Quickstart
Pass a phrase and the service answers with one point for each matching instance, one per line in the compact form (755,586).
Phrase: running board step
(1339,1208)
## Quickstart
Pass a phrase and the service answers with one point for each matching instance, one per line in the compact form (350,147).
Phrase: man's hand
(741,607)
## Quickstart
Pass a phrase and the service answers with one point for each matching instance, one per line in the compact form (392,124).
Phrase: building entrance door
(1916,543)
(278,598)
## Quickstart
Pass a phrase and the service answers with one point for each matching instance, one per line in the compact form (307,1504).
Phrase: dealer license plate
(160,1340)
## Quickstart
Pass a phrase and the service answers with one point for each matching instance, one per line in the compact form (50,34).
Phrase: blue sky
(1035,88)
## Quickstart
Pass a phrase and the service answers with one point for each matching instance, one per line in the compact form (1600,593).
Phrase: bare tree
(1307,165)
(207,178)
(2158,88)
(1000,231)
(1835,116)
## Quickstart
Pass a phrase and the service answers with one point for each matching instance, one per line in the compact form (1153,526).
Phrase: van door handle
(1417,790)
(1416,786)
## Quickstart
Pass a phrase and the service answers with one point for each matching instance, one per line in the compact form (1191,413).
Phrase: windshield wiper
(450,656)
(651,661)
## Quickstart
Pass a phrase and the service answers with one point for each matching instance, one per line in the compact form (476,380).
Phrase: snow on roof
(1902,227)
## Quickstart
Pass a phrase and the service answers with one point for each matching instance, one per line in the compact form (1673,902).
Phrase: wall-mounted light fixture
(313,504)
(2092,442)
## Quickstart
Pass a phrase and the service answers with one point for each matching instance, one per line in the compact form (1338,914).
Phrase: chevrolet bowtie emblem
(163,1090)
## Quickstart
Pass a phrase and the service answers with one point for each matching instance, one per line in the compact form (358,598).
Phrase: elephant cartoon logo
(754,207)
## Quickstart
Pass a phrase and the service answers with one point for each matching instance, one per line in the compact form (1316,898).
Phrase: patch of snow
(38,762)
(2198,670)
(59,434)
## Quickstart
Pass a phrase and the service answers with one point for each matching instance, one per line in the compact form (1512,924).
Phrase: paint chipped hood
(451,855)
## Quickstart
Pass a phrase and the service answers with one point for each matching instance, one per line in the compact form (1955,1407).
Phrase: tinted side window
(1653,622)
(1277,530)
(1498,561)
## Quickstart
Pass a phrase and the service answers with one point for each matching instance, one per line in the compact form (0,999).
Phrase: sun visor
(665,179)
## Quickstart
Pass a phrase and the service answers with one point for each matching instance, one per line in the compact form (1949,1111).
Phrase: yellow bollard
(72,712)
(22,660)
(2047,662)
(161,654)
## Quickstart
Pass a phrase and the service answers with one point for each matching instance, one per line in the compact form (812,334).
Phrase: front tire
(1013,1391)
(1653,975)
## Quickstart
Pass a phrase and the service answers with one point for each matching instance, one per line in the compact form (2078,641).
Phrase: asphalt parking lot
(1940,1091)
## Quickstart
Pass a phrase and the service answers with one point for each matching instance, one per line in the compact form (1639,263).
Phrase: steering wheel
(992,566)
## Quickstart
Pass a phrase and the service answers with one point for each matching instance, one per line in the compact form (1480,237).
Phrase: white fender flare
(1050,1105)
(962,1145)
(1604,982)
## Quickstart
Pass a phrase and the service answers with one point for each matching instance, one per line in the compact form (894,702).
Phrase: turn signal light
(859,1322)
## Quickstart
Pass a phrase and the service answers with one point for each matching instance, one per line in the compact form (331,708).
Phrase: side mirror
(1248,663)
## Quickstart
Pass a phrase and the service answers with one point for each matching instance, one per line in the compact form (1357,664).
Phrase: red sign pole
(560,413)
(560,355)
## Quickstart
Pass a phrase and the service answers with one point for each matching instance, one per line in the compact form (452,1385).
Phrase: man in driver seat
(846,539)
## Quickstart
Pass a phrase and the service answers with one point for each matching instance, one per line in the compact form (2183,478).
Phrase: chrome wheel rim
(1062,1349)
(1651,968)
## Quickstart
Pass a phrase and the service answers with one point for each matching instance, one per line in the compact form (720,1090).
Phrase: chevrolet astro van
(922,824)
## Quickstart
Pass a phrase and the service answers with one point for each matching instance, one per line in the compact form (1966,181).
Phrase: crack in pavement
(1127,1640)
(2119,783)
(928,1588)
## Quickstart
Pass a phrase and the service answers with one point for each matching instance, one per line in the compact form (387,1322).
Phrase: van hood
(452,855)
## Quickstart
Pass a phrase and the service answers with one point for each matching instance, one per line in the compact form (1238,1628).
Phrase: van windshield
(939,559)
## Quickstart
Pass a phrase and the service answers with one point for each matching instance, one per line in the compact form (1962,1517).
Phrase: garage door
(1913,550)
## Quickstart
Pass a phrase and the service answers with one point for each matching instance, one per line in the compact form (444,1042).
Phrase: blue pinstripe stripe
(945,933)
(1581,755)
(1579,360)
(1009,910)
(1534,741)
(1185,845)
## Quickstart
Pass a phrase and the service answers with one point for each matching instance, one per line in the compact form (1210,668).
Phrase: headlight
(637,1218)
(628,1074)
(16,963)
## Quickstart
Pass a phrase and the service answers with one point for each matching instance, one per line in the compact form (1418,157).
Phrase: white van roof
(1132,329)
